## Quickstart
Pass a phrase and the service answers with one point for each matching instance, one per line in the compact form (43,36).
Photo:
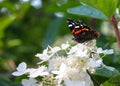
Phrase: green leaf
(107,72)
(24,7)
(114,81)
(104,74)
(99,78)
(14,42)
(118,3)
(119,8)
(5,22)
(4,80)
(52,32)
(87,11)
(54,7)
(108,7)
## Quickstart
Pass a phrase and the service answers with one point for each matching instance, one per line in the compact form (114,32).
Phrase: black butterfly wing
(81,32)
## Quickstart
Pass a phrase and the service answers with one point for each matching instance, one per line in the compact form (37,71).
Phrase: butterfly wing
(81,32)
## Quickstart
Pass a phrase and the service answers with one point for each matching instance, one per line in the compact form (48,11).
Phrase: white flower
(82,80)
(69,68)
(66,72)
(29,82)
(55,63)
(99,50)
(107,51)
(61,72)
(91,44)
(21,69)
(94,63)
(108,67)
(79,50)
(65,46)
(69,82)
(110,51)
(54,50)
(44,56)
(41,71)
(72,75)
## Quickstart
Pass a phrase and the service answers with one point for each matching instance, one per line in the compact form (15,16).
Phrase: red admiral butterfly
(81,32)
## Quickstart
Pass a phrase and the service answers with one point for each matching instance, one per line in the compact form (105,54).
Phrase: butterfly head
(71,24)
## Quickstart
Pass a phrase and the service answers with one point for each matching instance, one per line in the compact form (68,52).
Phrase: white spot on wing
(77,27)
(70,25)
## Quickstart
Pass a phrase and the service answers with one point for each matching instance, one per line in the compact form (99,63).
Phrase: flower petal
(65,46)
(74,82)
(94,63)
(110,51)
(22,66)
(17,73)
(41,71)
(29,82)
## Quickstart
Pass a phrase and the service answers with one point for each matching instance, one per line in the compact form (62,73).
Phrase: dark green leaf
(87,11)
(99,78)
(104,74)
(52,32)
(118,3)
(108,7)
(14,42)
(107,72)
(114,81)
(24,7)
(5,22)
(119,8)
(54,7)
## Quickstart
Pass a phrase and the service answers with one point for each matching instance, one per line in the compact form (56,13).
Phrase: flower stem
(117,33)
(93,79)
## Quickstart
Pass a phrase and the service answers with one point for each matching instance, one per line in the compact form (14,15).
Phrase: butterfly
(81,32)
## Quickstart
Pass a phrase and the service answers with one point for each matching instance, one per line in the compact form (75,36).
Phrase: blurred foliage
(26,29)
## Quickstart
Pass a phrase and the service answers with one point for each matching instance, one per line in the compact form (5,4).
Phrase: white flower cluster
(67,65)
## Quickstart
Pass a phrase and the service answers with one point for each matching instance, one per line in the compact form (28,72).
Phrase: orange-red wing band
(81,30)
(73,31)
(85,29)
